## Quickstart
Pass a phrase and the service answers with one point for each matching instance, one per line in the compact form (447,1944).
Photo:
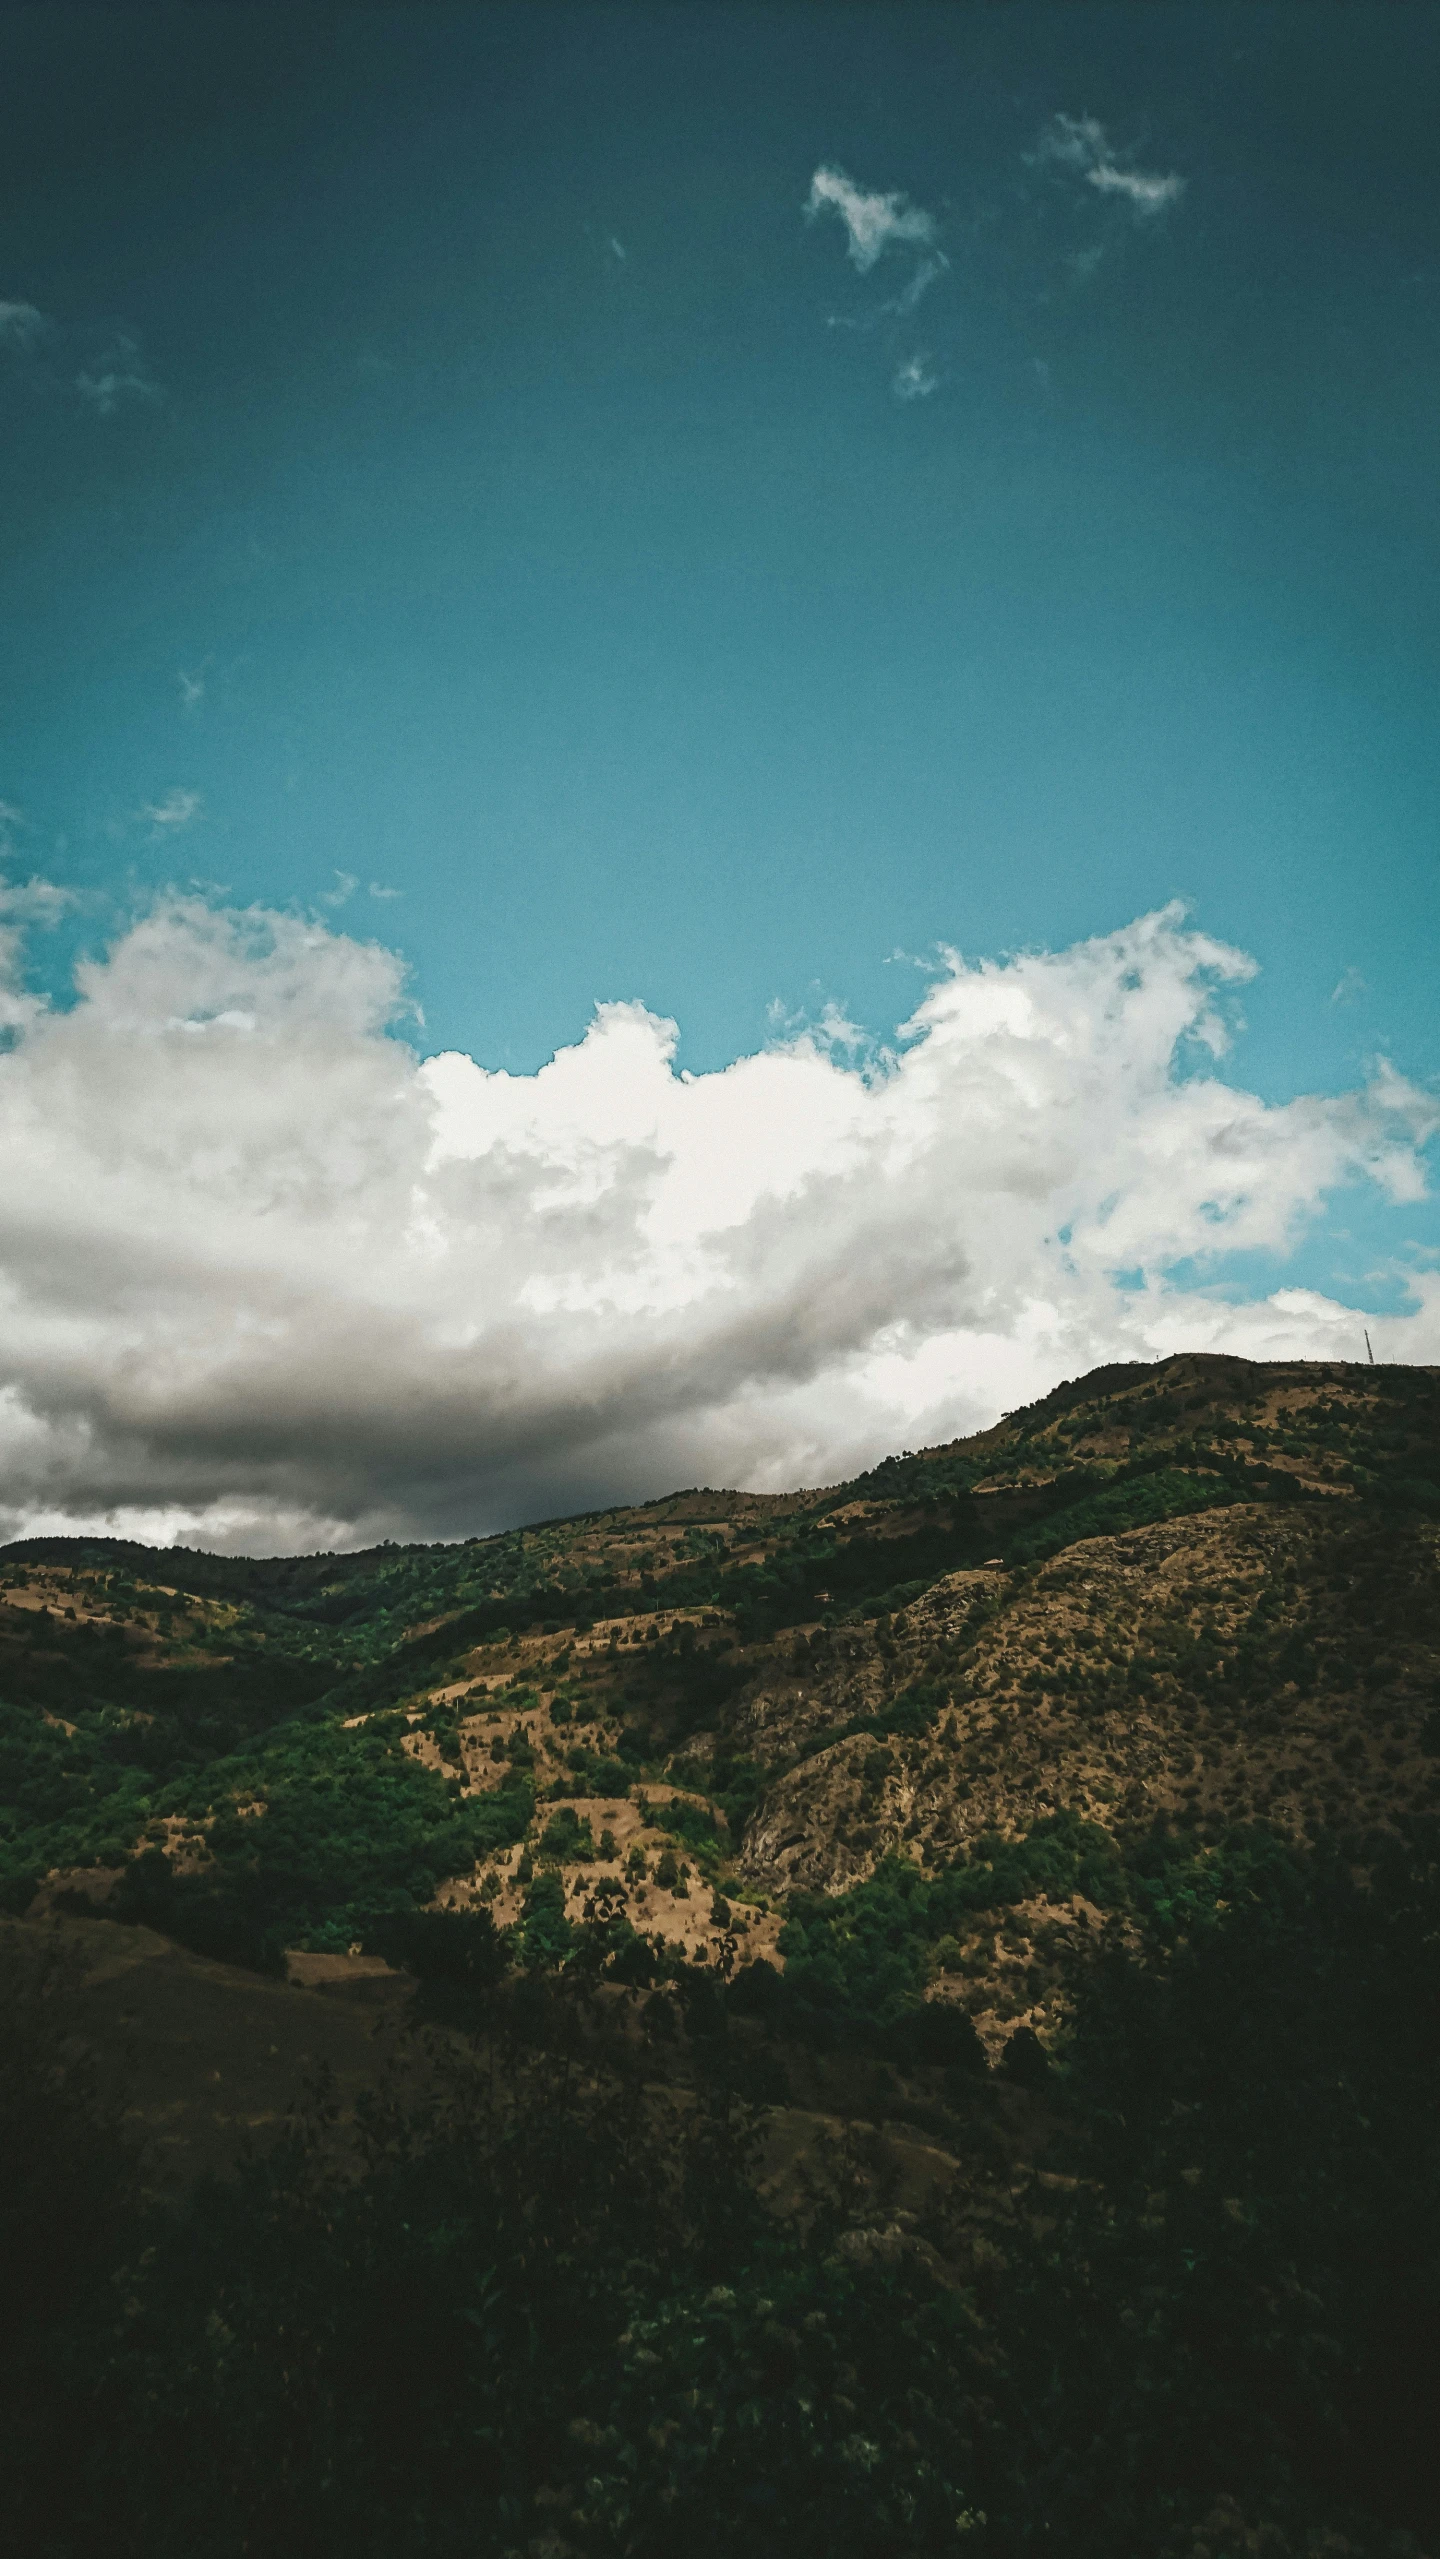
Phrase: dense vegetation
(542,2306)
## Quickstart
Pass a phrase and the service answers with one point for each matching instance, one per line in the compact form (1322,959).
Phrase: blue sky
(444,455)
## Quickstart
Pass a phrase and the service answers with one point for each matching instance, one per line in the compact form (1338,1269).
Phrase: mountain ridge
(895,1666)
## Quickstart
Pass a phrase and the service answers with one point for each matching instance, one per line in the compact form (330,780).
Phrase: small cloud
(345,887)
(915,381)
(1351,986)
(873,223)
(617,249)
(376,890)
(1081,144)
(21,325)
(1146,192)
(119,376)
(177,809)
(192,687)
(11,817)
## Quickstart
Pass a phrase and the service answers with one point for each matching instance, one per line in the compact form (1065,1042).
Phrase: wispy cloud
(112,370)
(1081,144)
(927,273)
(873,222)
(177,809)
(119,376)
(1351,986)
(914,379)
(192,688)
(1082,263)
(377,889)
(345,887)
(21,325)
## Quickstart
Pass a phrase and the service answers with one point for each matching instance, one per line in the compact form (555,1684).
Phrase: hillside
(814,2025)
(1158,1604)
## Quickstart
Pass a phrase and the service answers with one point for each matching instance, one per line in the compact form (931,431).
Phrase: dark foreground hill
(834,2022)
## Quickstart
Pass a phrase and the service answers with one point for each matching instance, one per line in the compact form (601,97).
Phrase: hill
(1159,1603)
(830,2021)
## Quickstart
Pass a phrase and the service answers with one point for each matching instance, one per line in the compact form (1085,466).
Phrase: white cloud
(177,809)
(914,379)
(192,689)
(269,1278)
(873,222)
(1081,144)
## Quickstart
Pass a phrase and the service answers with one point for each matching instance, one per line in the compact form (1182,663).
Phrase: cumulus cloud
(1081,144)
(873,222)
(268,1277)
